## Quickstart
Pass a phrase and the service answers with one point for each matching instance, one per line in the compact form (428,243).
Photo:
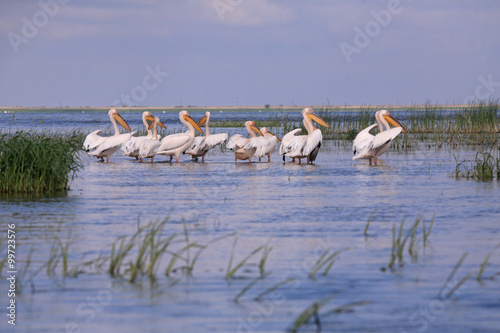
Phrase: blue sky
(247,52)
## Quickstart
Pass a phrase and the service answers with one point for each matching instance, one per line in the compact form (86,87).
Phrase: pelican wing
(382,138)
(197,145)
(147,148)
(255,142)
(363,139)
(93,140)
(289,141)
(128,148)
(215,139)
(312,141)
(264,150)
(173,141)
(236,140)
(112,142)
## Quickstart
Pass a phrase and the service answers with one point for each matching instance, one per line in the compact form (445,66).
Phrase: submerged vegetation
(43,162)
(155,249)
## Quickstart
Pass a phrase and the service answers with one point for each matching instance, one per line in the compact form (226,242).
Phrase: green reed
(250,285)
(273,288)
(447,283)
(310,312)
(368,223)
(41,162)
(231,270)
(485,262)
(411,238)
(326,259)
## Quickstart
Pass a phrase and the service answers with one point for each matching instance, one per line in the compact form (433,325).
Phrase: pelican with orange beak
(269,149)
(245,148)
(106,146)
(304,146)
(176,144)
(132,146)
(202,144)
(147,147)
(367,146)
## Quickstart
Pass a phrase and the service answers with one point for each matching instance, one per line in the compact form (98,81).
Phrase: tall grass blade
(485,262)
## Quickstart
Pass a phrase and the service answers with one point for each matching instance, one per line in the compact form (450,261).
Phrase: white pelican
(176,144)
(367,146)
(147,147)
(269,149)
(131,147)
(300,146)
(202,144)
(245,148)
(108,145)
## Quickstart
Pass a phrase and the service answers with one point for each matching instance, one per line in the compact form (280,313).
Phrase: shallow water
(301,210)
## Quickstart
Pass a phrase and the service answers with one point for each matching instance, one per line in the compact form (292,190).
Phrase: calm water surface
(299,210)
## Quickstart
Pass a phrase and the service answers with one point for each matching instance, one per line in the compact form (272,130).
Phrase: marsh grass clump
(411,238)
(479,117)
(485,166)
(142,253)
(42,162)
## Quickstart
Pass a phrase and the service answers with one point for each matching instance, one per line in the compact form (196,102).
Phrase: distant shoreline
(291,108)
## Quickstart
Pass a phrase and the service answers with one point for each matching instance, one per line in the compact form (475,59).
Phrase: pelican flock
(367,146)
(293,145)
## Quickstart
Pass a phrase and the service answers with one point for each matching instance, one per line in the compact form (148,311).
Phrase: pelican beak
(279,140)
(151,126)
(151,118)
(121,121)
(394,122)
(318,119)
(202,121)
(256,130)
(192,122)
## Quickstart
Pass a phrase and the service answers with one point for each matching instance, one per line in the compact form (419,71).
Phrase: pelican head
(149,117)
(309,113)
(205,118)
(156,120)
(115,115)
(391,120)
(250,125)
(266,131)
(184,115)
